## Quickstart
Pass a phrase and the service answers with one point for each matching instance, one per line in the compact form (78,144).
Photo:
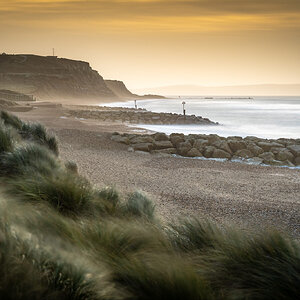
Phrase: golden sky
(149,43)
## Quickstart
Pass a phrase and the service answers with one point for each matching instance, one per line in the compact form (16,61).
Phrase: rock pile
(280,152)
(140,117)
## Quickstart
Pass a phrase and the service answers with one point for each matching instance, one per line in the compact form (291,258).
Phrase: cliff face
(119,89)
(52,78)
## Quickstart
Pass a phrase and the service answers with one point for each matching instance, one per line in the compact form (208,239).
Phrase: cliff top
(10,63)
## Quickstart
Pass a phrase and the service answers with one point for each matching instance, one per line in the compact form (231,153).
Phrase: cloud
(157,7)
(153,15)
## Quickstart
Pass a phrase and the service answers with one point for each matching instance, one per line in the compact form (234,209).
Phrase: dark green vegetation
(62,238)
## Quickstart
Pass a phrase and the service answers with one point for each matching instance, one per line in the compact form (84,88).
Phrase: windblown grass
(11,120)
(138,205)
(28,159)
(35,266)
(33,132)
(6,139)
(266,266)
(61,238)
(36,132)
(161,277)
(72,167)
(67,193)
(195,235)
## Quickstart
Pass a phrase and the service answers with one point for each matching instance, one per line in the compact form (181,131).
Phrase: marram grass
(32,132)
(62,238)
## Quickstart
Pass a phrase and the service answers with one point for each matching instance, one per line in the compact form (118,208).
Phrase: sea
(264,117)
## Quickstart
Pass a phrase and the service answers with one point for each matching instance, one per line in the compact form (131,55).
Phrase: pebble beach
(248,196)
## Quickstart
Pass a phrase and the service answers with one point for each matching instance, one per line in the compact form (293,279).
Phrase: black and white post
(183,108)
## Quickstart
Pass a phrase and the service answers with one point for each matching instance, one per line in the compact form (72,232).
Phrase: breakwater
(278,152)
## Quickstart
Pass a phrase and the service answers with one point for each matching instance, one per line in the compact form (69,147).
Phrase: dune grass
(27,159)
(11,120)
(67,193)
(138,205)
(266,266)
(6,139)
(37,133)
(33,132)
(62,238)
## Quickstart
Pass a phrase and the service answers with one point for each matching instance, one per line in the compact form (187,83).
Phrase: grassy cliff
(62,238)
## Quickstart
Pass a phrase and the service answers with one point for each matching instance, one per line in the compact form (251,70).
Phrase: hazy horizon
(148,43)
(237,90)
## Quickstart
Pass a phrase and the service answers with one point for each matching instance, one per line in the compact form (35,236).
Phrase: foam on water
(241,161)
(265,117)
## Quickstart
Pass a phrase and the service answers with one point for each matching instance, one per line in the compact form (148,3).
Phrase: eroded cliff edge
(50,77)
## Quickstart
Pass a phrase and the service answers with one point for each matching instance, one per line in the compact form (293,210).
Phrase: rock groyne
(139,116)
(279,152)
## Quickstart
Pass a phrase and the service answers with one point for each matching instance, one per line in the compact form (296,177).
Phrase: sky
(150,43)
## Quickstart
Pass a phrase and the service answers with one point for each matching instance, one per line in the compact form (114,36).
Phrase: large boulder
(267,156)
(295,149)
(120,139)
(146,147)
(208,151)
(218,153)
(213,138)
(236,145)
(252,139)
(276,150)
(266,146)
(190,140)
(142,139)
(285,155)
(274,162)
(199,136)
(184,147)
(225,147)
(176,138)
(160,136)
(282,141)
(194,153)
(162,145)
(200,144)
(297,161)
(256,150)
(234,137)
(244,153)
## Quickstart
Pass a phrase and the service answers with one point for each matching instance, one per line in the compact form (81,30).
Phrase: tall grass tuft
(107,201)
(72,167)
(194,234)
(19,279)
(263,267)
(138,205)
(11,120)
(38,266)
(67,193)
(29,159)
(6,139)
(114,238)
(36,132)
(161,277)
